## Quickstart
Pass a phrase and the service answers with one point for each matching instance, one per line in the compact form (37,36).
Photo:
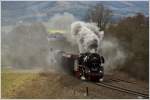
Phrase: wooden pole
(87,91)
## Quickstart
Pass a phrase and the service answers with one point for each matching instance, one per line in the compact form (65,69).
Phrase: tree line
(133,34)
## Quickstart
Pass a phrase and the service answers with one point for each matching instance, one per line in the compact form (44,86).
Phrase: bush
(133,32)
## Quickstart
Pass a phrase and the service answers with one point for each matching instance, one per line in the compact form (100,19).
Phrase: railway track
(117,88)
(120,80)
(125,81)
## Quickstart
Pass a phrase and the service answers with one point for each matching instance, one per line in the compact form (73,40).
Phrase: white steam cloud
(113,54)
(61,21)
(87,36)
(90,39)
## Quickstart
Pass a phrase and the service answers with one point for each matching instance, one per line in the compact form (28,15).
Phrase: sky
(29,11)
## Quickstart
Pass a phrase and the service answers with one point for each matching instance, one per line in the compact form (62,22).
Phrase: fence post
(87,91)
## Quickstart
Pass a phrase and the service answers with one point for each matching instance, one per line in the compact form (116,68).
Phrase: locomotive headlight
(101,71)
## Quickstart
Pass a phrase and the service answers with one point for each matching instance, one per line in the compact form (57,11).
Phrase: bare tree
(99,15)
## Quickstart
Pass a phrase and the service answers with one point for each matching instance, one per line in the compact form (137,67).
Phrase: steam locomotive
(86,66)
(89,66)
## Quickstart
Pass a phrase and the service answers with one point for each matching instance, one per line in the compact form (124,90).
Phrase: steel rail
(121,80)
(122,89)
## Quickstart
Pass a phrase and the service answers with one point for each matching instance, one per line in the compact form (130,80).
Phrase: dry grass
(12,81)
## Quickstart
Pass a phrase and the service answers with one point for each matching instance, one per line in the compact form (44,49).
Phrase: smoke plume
(90,39)
(87,36)
(28,47)
(114,56)
(61,21)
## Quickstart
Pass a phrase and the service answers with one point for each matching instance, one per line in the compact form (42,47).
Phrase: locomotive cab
(88,66)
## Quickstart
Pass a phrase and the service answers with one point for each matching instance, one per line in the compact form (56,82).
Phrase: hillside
(43,11)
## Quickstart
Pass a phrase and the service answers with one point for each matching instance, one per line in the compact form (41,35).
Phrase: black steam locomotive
(88,66)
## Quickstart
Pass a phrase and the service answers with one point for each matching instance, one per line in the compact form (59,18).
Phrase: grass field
(37,85)
(12,81)
(25,84)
